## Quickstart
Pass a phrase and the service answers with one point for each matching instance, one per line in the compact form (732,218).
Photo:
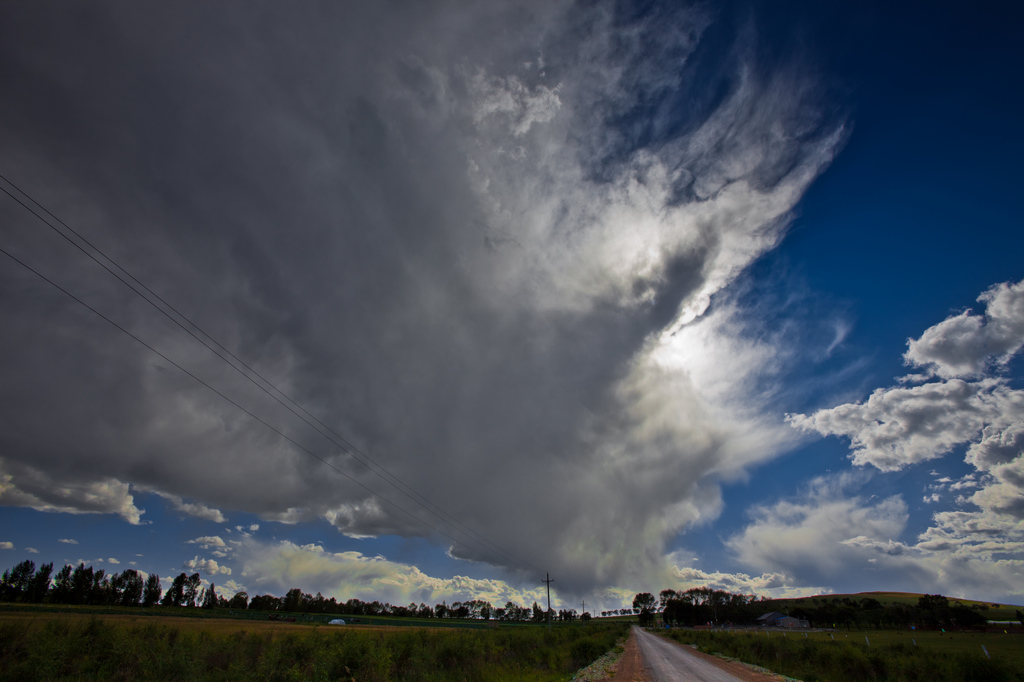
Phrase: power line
(226,398)
(548,580)
(292,406)
(272,391)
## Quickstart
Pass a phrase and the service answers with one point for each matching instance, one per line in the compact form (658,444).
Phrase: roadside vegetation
(897,657)
(67,647)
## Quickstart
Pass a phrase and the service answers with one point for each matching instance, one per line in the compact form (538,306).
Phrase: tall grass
(93,649)
(825,661)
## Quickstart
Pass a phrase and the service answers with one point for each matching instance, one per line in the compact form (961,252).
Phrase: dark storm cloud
(430,225)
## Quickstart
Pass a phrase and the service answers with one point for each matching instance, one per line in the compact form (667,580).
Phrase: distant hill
(991,610)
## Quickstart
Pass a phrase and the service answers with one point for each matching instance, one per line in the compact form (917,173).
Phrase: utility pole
(584,604)
(548,580)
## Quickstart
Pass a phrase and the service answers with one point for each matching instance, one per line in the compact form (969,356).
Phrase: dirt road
(669,662)
(666,661)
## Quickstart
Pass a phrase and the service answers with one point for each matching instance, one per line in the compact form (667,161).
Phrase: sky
(423,302)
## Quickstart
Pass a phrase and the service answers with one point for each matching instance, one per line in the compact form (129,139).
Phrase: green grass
(82,647)
(886,655)
(247,615)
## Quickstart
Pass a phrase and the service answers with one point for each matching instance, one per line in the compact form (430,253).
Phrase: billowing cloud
(825,533)
(207,566)
(968,344)
(6,545)
(229,588)
(774,584)
(40,490)
(484,247)
(963,402)
(817,536)
(196,509)
(209,542)
(899,426)
(278,567)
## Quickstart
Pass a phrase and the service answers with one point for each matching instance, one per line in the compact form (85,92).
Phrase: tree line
(698,606)
(84,585)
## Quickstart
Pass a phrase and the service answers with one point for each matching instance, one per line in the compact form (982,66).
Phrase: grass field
(81,646)
(247,616)
(884,655)
(1005,647)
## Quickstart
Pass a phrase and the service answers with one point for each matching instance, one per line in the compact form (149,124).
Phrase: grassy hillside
(991,610)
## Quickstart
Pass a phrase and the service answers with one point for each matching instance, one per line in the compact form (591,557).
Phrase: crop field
(65,646)
(213,626)
(244,616)
(884,654)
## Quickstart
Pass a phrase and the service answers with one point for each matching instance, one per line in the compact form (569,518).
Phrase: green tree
(294,600)
(210,597)
(132,587)
(239,601)
(175,595)
(151,592)
(81,584)
(192,584)
(15,581)
(40,584)
(100,592)
(931,602)
(62,585)
(644,603)
(265,602)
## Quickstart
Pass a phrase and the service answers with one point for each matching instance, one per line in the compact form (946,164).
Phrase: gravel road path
(666,661)
(669,662)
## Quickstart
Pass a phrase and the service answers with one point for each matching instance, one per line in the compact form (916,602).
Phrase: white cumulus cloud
(967,344)
(208,566)
(963,402)
(278,567)
(209,542)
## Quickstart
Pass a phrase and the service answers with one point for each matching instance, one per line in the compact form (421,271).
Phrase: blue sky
(610,284)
